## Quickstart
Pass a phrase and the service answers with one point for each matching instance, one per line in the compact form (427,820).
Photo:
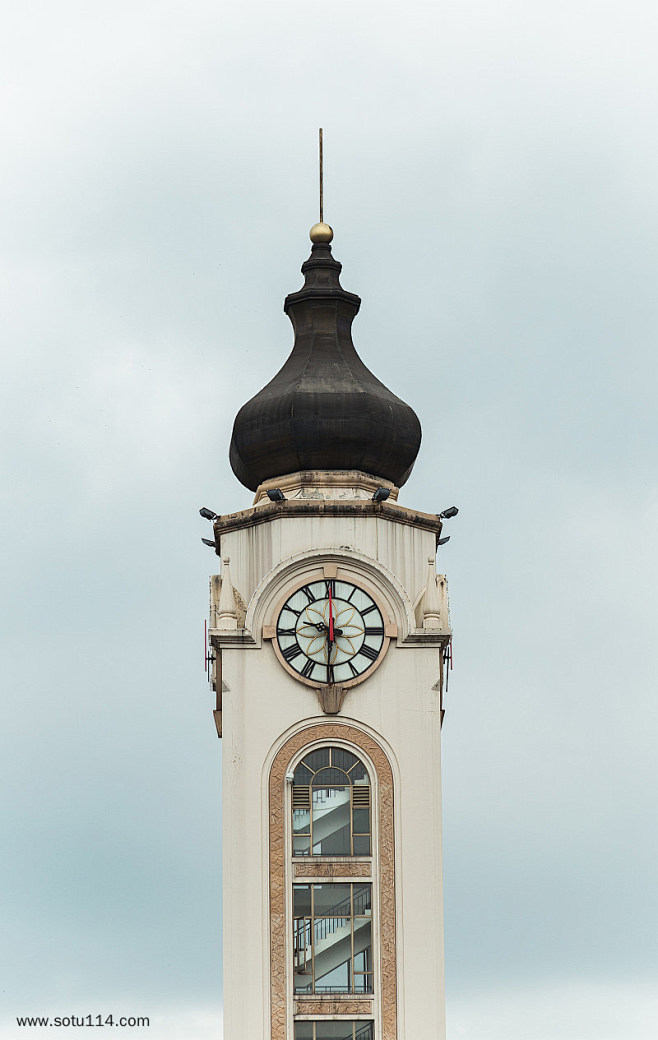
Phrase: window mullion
(313,937)
(352,937)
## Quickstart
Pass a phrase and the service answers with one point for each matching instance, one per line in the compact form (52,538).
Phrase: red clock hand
(331,618)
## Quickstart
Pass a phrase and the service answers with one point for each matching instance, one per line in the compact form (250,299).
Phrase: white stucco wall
(399,704)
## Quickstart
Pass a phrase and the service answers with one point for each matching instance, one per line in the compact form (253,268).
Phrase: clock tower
(329,633)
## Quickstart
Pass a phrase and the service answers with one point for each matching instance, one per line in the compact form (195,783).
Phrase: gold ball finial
(321,233)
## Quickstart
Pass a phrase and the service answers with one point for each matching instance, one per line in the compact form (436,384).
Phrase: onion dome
(324,410)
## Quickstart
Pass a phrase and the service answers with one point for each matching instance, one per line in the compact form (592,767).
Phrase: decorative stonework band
(333,1007)
(332,870)
(278,934)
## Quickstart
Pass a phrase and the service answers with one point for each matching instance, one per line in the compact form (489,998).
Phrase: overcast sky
(491,176)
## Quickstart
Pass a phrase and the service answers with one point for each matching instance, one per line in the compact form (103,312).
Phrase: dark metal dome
(324,410)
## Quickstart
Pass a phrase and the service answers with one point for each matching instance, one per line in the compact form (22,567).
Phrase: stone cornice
(265,513)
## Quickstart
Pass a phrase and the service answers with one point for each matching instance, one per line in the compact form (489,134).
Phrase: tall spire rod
(321,179)
(321,233)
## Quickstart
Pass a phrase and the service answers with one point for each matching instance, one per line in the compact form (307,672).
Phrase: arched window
(337,917)
(331,805)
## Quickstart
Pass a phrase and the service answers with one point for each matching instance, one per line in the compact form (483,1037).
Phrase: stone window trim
(280,858)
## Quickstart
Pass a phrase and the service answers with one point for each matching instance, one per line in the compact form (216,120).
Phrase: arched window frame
(360,841)
(284,1008)
(337,868)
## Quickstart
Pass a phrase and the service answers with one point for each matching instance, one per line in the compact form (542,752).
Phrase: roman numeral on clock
(374,631)
(368,652)
(307,670)
(287,631)
(307,592)
(291,652)
(367,610)
(330,584)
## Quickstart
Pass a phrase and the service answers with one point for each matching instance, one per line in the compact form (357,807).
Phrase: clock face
(330,631)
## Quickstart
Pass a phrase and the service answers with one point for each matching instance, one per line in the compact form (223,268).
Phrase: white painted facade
(272,548)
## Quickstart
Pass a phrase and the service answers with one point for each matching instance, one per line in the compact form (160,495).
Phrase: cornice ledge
(425,637)
(232,638)
(264,513)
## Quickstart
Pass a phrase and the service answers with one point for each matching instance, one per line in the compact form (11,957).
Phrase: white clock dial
(330,631)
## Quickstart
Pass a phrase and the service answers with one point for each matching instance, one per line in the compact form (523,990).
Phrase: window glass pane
(361,821)
(337,980)
(334,1030)
(361,845)
(301,821)
(331,821)
(301,900)
(342,759)
(364,1030)
(332,899)
(302,983)
(317,759)
(349,1030)
(362,899)
(303,775)
(330,776)
(301,846)
(332,937)
(303,956)
(362,944)
(359,773)
(326,799)
(363,983)
(336,844)
(304,1031)
(362,960)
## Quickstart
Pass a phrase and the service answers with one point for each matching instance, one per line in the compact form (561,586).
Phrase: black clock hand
(332,642)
